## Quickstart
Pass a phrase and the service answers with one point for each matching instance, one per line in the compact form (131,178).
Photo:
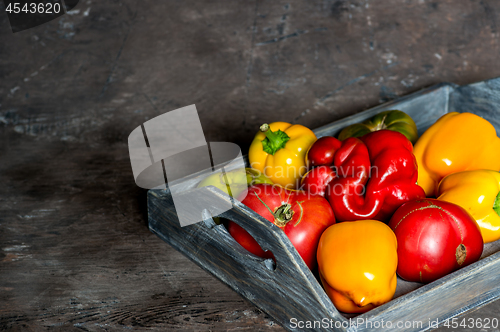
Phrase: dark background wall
(96,74)
(75,247)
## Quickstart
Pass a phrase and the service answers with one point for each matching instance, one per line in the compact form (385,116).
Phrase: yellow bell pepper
(456,142)
(357,264)
(279,151)
(478,192)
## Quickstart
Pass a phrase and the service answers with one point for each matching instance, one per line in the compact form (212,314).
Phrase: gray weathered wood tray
(287,290)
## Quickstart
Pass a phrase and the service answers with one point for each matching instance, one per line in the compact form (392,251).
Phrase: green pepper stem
(381,125)
(274,140)
(496,205)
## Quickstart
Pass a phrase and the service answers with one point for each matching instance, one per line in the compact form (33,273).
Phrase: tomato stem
(283,214)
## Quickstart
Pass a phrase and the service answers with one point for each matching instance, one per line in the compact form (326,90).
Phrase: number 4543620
(33,8)
(472,323)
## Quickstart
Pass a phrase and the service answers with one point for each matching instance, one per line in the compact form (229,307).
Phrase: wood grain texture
(75,251)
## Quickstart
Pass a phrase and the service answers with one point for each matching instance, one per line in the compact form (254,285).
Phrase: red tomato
(302,216)
(247,241)
(322,151)
(434,238)
(316,180)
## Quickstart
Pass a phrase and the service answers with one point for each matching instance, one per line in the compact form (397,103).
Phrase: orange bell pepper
(279,151)
(357,264)
(456,142)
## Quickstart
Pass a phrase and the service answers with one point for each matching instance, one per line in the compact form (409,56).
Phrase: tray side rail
(466,289)
(424,106)
(481,98)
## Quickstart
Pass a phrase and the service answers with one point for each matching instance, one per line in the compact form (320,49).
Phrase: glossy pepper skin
(375,175)
(478,192)
(456,142)
(322,151)
(357,264)
(279,151)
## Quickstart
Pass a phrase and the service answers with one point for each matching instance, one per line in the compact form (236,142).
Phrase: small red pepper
(375,175)
(322,151)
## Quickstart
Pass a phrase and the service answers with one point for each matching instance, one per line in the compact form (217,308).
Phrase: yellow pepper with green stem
(478,192)
(456,142)
(279,152)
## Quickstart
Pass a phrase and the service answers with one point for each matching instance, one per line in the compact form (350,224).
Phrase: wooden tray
(287,290)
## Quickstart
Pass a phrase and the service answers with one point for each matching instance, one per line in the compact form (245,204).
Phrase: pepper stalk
(274,140)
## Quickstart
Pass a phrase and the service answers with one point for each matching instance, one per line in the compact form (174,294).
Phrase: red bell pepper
(376,174)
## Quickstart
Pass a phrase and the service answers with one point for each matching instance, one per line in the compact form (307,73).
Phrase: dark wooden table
(75,250)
